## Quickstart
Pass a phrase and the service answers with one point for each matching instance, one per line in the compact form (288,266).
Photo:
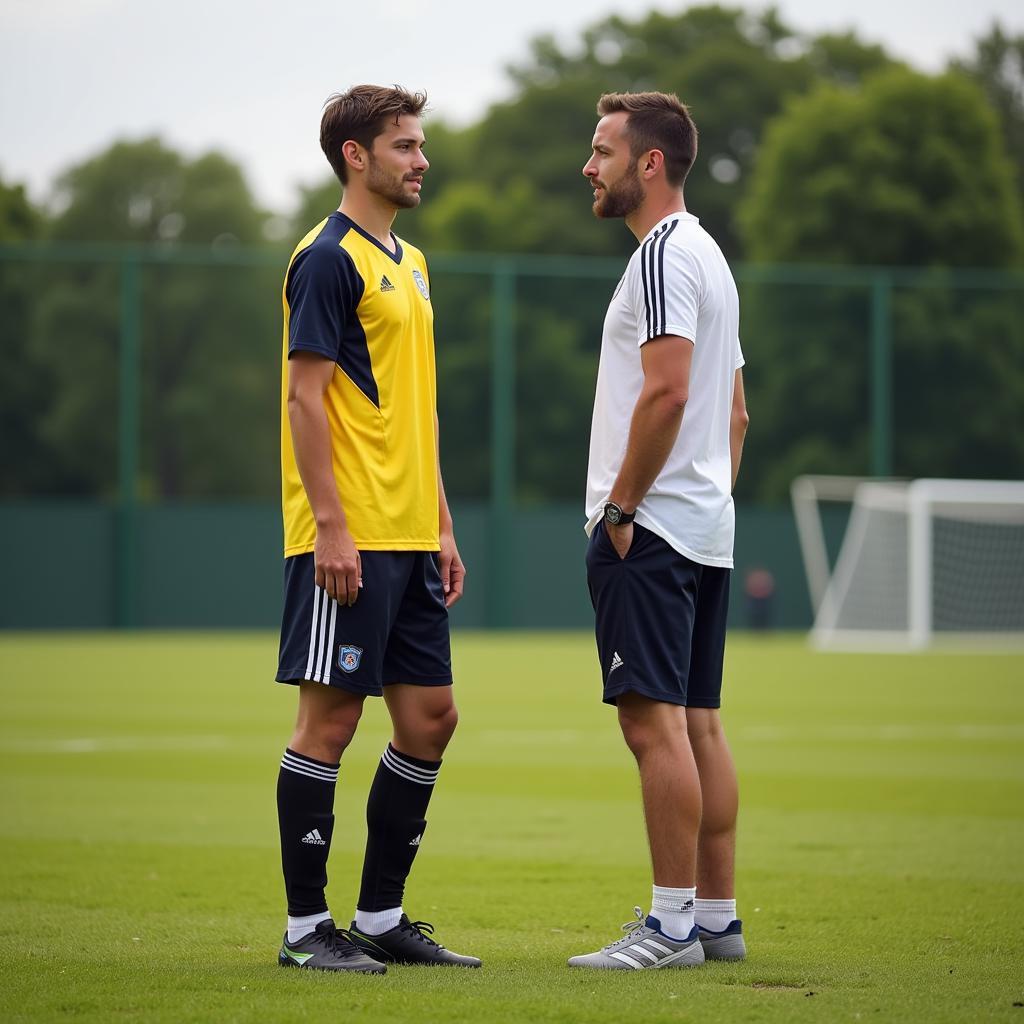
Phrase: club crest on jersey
(421,284)
(349,657)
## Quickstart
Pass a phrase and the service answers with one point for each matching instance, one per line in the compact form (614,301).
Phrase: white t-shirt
(678,283)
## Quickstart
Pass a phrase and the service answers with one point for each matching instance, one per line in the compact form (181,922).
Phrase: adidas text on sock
(674,909)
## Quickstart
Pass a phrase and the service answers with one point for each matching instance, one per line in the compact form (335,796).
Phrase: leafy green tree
(20,221)
(23,454)
(908,170)
(206,429)
(997,65)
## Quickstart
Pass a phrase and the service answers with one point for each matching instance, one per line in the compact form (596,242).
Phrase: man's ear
(354,154)
(651,162)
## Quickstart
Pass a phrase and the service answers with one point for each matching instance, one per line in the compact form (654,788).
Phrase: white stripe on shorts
(312,631)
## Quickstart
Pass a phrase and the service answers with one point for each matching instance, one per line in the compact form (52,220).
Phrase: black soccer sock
(305,814)
(395,825)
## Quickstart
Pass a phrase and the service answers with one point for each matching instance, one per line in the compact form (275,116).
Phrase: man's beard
(623,198)
(388,187)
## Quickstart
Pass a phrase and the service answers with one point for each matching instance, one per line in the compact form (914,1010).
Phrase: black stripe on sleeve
(661,275)
(643,276)
(652,312)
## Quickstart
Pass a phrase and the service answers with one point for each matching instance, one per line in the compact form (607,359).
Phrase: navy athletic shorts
(396,632)
(660,620)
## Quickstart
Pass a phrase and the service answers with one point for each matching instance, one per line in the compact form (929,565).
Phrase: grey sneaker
(645,945)
(327,949)
(727,944)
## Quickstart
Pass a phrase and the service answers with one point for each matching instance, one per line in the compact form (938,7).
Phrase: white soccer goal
(921,563)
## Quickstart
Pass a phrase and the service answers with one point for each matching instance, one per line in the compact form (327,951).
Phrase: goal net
(920,562)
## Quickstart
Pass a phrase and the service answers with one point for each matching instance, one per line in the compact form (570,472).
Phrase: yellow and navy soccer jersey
(349,299)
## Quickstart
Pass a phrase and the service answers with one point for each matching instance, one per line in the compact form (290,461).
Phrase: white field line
(883,733)
(112,744)
(888,733)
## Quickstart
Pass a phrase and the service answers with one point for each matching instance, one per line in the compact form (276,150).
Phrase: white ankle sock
(299,926)
(674,909)
(714,915)
(376,922)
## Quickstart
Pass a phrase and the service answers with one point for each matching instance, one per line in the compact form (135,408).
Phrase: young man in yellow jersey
(371,565)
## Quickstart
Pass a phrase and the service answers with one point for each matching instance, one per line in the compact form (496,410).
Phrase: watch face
(612,513)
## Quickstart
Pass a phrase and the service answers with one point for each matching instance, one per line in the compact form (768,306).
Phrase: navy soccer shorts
(660,620)
(396,632)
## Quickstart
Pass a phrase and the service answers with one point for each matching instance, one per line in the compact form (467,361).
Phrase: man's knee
(424,725)
(327,726)
(648,724)
(438,726)
(703,726)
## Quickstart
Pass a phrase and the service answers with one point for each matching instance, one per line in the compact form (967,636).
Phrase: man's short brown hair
(361,115)
(657,120)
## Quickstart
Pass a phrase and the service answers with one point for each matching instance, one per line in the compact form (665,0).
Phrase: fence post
(503,445)
(881,374)
(126,539)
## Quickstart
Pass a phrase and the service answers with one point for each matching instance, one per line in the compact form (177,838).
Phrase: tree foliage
(997,65)
(207,334)
(908,170)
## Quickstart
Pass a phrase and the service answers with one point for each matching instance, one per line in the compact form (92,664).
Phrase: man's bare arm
(657,417)
(338,567)
(738,423)
(453,572)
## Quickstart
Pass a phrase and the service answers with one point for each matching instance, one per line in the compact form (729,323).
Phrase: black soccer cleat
(327,949)
(409,942)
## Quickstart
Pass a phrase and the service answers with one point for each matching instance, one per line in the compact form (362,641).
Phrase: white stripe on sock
(329,772)
(302,771)
(412,772)
(314,771)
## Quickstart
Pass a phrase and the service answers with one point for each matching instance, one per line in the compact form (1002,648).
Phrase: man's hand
(620,536)
(453,572)
(339,569)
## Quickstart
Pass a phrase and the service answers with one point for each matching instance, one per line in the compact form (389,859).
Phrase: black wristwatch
(614,516)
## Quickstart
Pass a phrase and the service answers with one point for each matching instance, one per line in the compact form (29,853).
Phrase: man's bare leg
(656,734)
(716,842)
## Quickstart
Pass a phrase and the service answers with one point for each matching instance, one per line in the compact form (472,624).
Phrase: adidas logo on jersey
(386,285)
(314,838)
(616,663)
(416,841)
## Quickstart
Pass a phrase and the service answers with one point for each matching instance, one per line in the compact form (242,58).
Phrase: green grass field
(881,858)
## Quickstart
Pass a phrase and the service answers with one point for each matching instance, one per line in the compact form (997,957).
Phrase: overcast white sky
(250,77)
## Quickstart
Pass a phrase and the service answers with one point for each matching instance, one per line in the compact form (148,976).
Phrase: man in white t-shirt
(667,434)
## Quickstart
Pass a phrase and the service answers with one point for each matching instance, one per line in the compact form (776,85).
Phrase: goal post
(921,563)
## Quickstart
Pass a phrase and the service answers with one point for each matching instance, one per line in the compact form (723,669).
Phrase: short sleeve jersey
(676,283)
(350,300)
